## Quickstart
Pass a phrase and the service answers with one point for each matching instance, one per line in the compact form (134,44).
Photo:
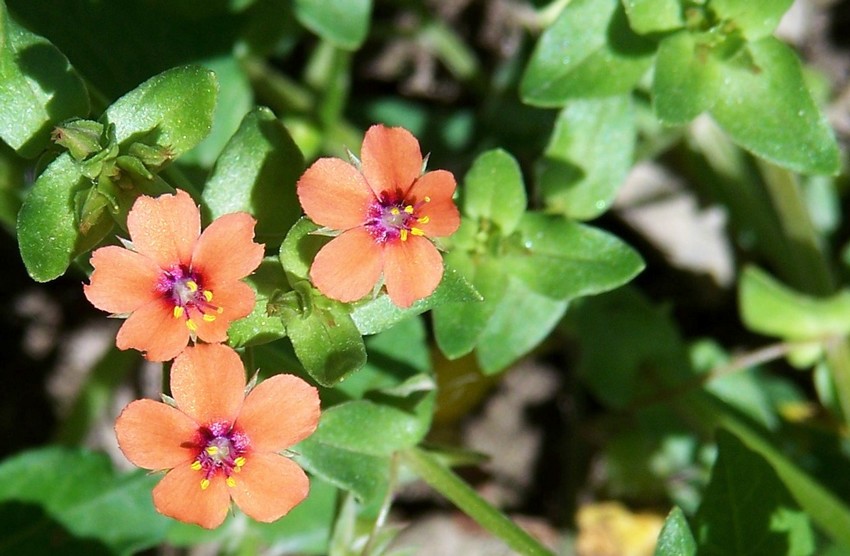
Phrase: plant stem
(805,252)
(838,359)
(447,483)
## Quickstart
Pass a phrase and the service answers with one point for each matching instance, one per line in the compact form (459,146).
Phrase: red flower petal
(391,159)
(412,270)
(156,436)
(179,495)
(165,228)
(208,383)
(334,194)
(226,250)
(122,280)
(442,213)
(348,267)
(268,486)
(153,329)
(236,300)
(279,412)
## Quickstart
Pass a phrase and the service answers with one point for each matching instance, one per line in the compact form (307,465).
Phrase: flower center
(184,289)
(391,218)
(222,451)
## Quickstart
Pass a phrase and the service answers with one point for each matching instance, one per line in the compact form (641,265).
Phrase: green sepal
(80,137)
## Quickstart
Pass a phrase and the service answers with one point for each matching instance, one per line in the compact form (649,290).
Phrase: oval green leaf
(767,109)
(256,173)
(589,51)
(173,109)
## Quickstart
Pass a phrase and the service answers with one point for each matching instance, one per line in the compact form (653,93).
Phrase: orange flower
(218,444)
(175,283)
(387,209)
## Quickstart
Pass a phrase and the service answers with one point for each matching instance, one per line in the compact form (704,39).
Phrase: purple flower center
(391,217)
(222,451)
(184,289)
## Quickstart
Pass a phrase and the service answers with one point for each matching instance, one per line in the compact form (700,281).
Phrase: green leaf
(589,51)
(38,88)
(562,259)
(494,190)
(379,429)
(299,248)
(755,19)
(365,475)
(374,315)
(173,109)
(770,308)
(676,538)
(588,156)
(503,342)
(687,79)
(259,327)
(458,326)
(747,510)
(235,100)
(344,23)
(654,16)
(80,490)
(47,223)
(621,335)
(767,109)
(326,341)
(256,173)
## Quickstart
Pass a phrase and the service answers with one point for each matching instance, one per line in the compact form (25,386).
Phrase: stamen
(208,295)
(209,318)
(417,232)
(196,465)
(408,209)
(219,310)
(239,462)
(403,234)
(192,285)
(424,219)
(427,199)
(212,450)
(178,311)
(190,324)
(394,211)
(205,484)
(230,481)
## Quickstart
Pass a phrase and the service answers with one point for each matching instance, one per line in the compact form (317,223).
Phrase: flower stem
(447,483)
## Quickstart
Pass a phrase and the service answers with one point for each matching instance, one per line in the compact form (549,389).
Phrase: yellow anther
(178,311)
(208,295)
(205,484)
(209,318)
(239,462)
(193,287)
(404,235)
(424,219)
(219,310)
(230,481)
(408,209)
(427,199)
(212,450)
(417,232)
(394,211)
(190,324)
(196,465)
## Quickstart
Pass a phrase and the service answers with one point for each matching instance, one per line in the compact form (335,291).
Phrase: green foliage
(747,510)
(40,88)
(676,538)
(81,491)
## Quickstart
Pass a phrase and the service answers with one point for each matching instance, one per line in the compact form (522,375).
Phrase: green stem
(804,246)
(838,359)
(444,481)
